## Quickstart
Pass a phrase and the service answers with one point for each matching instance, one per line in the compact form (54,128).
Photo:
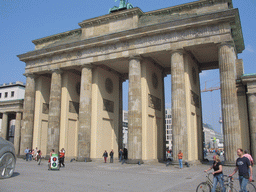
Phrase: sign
(54,161)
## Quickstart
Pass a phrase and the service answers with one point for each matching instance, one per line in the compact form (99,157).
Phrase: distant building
(125,129)
(11,108)
(168,128)
(212,139)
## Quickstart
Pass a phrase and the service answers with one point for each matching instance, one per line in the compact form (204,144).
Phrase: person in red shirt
(180,156)
(62,156)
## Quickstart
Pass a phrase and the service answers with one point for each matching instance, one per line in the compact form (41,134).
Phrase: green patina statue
(122,5)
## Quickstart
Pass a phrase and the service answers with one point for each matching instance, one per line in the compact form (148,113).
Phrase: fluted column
(135,112)
(85,110)
(252,121)
(179,114)
(54,112)
(232,133)
(17,133)
(4,126)
(28,114)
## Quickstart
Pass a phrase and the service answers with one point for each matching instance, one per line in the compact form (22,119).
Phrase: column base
(47,157)
(83,159)
(187,163)
(134,161)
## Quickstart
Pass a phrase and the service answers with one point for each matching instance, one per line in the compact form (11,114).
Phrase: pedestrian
(120,155)
(111,154)
(49,161)
(62,156)
(38,157)
(105,155)
(180,156)
(243,166)
(35,154)
(125,153)
(27,153)
(30,155)
(217,174)
(246,154)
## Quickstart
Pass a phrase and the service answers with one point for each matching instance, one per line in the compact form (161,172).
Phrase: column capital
(57,70)
(226,43)
(136,57)
(180,51)
(88,66)
(31,75)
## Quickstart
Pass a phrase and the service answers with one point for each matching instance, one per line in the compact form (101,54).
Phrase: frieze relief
(195,99)
(154,102)
(137,43)
(108,105)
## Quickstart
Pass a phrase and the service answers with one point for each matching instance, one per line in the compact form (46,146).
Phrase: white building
(12,91)
(11,105)
(209,135)
(125,129)
(168,128)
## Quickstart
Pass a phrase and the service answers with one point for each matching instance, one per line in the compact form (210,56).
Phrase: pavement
(99,176)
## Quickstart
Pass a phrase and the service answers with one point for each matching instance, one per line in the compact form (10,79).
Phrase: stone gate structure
(74,82)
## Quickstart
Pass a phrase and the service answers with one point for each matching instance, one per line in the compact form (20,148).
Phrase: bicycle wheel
(250,187)
(229,189)
(203,187)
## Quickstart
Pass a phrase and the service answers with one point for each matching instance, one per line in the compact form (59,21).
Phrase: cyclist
(243,165)
(218,175)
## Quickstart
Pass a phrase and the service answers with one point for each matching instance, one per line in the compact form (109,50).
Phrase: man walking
(180,156)
(62,156)
(243,166)
(27,153)
(120,155)
(111,154)
(246,154)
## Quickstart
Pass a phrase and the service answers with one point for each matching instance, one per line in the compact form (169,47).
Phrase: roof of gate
(179,12)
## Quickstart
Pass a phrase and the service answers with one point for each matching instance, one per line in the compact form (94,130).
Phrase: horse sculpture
(122,5)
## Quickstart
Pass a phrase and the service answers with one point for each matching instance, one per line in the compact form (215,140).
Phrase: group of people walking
(123,155)
(244,165)
(35,154)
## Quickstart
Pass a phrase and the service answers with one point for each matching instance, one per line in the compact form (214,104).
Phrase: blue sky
(22,21)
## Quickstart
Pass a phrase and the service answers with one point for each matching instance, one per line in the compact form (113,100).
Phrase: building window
(0,95)
(6,94)
(12,94)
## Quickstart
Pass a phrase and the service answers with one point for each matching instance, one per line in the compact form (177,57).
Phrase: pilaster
(250,81)
(85,110)
(120,127)
(232,133)
(17,133)
(28,114)
(4,126)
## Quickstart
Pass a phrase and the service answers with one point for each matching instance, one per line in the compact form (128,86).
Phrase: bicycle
(230,186)
(207,185)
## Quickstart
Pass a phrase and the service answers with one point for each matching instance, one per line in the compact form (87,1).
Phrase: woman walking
(217,174)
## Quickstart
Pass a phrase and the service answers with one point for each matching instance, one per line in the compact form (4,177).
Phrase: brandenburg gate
(73,95)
